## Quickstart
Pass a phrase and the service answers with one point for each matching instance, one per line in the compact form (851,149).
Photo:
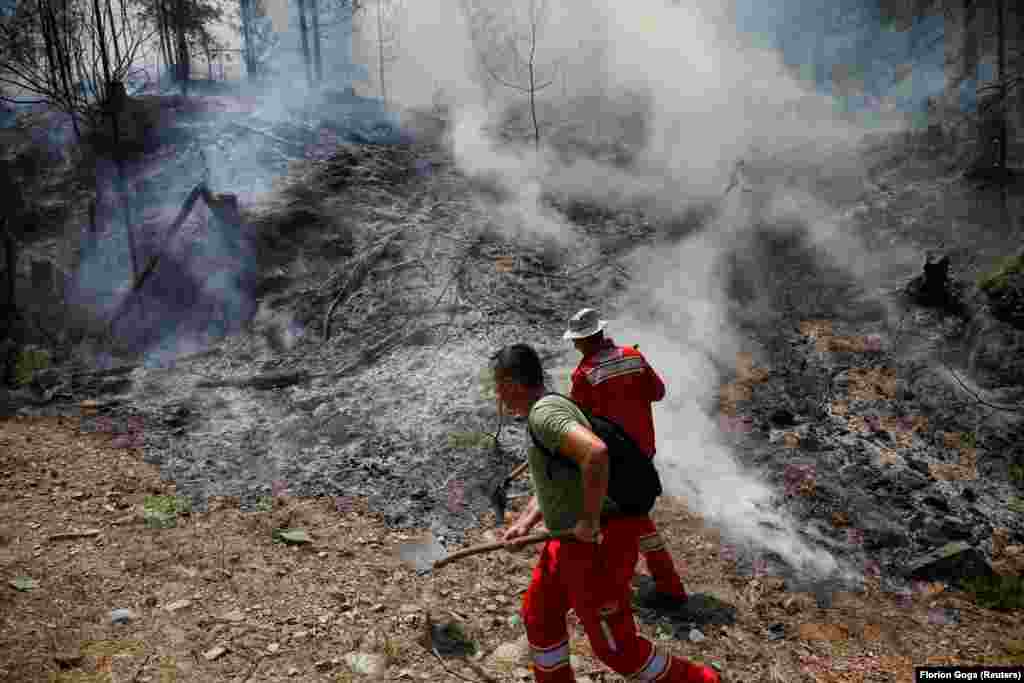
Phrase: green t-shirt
(560,496)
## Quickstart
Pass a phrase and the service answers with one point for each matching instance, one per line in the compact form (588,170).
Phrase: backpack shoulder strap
(537,442)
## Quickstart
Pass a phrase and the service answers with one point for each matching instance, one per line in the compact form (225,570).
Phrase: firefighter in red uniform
(589,572)
(616,382)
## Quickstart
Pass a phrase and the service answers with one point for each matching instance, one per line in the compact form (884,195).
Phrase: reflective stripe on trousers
(656,667)
(550,658)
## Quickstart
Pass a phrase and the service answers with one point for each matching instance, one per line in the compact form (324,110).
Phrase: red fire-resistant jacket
(617,383)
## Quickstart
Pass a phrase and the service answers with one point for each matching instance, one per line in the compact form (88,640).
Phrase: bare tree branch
(484,25)
(507,84)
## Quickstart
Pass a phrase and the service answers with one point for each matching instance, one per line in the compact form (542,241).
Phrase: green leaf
(1016,504)
(291,536)
(24,583)
(160,520)
(28,362)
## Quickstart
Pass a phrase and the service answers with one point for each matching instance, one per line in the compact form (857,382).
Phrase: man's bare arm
(531,515)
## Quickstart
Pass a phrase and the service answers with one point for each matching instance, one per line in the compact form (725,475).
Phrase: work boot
(648,596)
(685,671)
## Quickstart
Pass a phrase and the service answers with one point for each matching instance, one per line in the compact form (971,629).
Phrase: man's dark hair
(518,363)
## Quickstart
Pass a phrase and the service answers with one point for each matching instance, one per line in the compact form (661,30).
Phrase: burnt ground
(385,427)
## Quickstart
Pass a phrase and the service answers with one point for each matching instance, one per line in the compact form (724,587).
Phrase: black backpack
(633,481)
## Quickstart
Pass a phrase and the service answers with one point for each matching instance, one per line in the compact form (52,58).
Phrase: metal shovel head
(421,554)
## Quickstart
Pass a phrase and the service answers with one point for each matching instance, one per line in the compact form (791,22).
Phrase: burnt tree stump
(933,287)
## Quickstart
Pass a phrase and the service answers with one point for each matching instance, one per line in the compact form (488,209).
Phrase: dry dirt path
(215,599)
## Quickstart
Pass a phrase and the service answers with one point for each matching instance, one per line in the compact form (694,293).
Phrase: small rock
(234,615)
(695,636)
(68,660)
(121,616)
(368,664)
(299,635)
(293,671)
(215,653)
(273,648)
(177,605)
(517,652)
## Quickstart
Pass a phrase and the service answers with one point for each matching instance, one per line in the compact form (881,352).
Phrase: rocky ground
(881,441)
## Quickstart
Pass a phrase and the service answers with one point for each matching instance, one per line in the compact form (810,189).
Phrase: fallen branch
(977,398)
(288,143)
(142,667)
(453,673)
(278,380)
(70,535)
(111,372)
(372,353)
(355,278)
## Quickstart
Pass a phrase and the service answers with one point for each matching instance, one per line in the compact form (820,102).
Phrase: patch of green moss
(996,592)
(998,278)
(161,512)
(29,361)
(1017,473)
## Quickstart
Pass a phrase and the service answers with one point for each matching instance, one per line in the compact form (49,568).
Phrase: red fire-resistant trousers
(594,581)
(659,561)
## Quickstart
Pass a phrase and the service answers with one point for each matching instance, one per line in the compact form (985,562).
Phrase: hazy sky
(812,41)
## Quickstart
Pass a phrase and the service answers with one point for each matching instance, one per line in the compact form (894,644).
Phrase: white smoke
(704,96)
